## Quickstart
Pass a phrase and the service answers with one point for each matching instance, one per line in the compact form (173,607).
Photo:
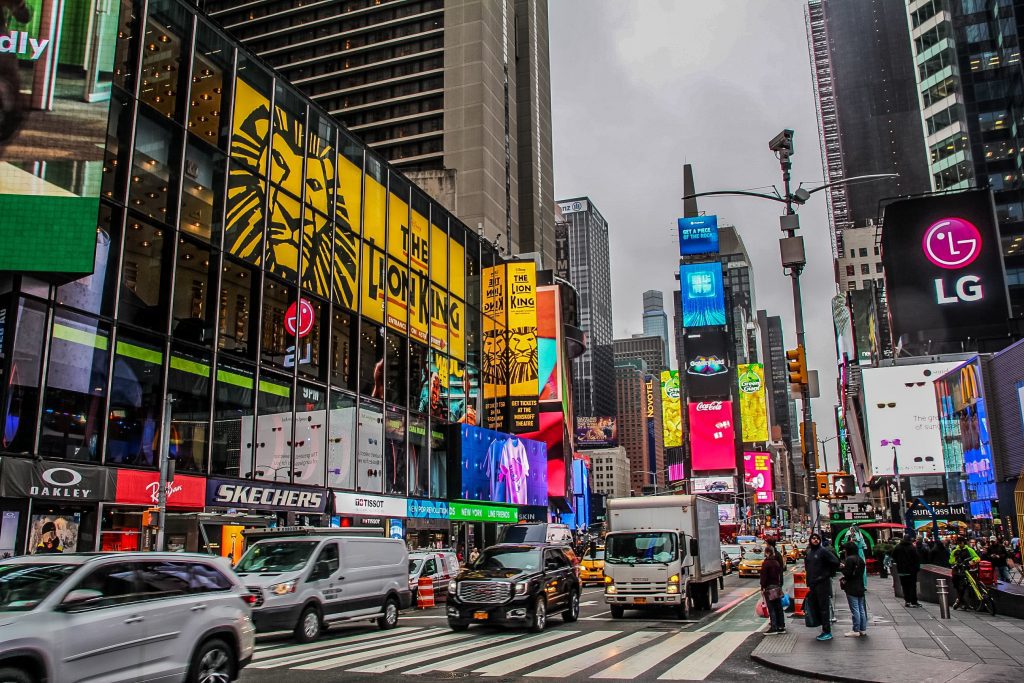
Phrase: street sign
(843,485)
(852,512)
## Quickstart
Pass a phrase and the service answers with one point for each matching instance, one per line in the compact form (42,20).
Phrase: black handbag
(811,612)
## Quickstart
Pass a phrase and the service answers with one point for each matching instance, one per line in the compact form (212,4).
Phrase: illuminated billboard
(712,440)
(757,476)
(55,88)
(596,432)
(703,295)
(676,471)
(500,468)
(550,349)
(707,364)
(753,408)
(521,284)
(698,235)
(721,484)
(671,409)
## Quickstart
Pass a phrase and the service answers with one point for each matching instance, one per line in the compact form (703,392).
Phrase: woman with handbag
(852,581)
(771,587)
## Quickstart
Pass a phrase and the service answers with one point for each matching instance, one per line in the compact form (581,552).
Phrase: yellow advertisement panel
(456,329)
(418,243)
(439,318)
(346,268)
(373,286)
(397,279)
(419,306)
(438,256)
(350,193)
(671,409)
(753,406)
(398,228)
(521,286)
(457,269)
(495,346)
(374,215)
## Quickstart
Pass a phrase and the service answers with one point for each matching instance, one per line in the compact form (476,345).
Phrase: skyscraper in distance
(656,320)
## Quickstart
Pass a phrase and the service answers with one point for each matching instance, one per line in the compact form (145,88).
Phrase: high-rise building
(645,450)
(588,269)
(610,468)
(738,281)
(860,262)
(454,93)
(651,350)
(656,321)
(868,113)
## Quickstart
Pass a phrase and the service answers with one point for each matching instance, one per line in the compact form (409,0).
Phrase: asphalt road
(643,646)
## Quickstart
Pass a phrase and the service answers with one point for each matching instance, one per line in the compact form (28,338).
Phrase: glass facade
(312,314)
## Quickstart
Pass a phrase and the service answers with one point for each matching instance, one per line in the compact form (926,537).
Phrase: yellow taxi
(789,551)
(751,559)
(592,567)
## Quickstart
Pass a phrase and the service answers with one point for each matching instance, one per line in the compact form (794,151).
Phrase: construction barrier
(799,593)
(425,593)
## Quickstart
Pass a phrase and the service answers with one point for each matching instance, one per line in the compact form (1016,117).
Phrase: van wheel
(213,662)
(617,611)
(540,616)
(389,619)
(9,675)
(309,627)
(573,613)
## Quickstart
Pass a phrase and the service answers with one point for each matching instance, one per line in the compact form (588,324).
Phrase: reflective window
(29,327)
(202,192)
(115,154)
(273,444)
(343,350)
(167,38)
(438,463)
(95,293)
(193,304)
(211,63)
(238,295)
(310,434)
(143,281)
(310,345)
(397,371)
(419,456)
(154,168)
(277,340)
(371,360)
(127,45)
(136,401)
(341,441)
(419,378)
(188,379)
(370,448)
(233,420)
(395,466)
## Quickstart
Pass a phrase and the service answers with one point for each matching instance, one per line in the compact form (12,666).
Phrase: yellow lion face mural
(315,236)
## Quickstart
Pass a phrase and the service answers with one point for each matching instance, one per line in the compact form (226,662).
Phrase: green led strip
(77,336)
(276,389)
(139,353)
(234,379)
(190,366)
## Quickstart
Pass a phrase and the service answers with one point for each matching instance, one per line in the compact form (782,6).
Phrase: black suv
(516,584)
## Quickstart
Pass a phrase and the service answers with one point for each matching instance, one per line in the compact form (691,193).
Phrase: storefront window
(370,448)
(341,441)
(127,45)
(310,435)
(343,351)
(419,456)
(154,185)
(371,360)
(397,373)
(168,34)
(121,529)
(143,289)
(395,465)
(23,381)
(237,318)
(135,401)
(276,339)
(309,347)
(273,444)
(76,386)
(202,190)
(207,115)
(193,305)
(188,380)
(95,293)
(233,420)
(115,154)
(419,378)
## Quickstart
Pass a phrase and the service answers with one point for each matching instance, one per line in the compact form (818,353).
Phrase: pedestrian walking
(474,555)
(854,576)
(939,554)
(908,564)
(997,555)
(820,564)
(771,587)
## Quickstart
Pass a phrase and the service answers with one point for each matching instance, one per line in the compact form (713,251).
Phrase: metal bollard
(943,592)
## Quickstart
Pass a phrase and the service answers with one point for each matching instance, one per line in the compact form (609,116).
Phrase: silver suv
(122,617)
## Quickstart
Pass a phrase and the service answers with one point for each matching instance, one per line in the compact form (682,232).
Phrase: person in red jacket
(771,587)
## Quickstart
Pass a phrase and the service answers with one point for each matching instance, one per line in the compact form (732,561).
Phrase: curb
(816,675)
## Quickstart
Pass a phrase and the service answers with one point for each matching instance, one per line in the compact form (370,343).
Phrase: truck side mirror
(694,547)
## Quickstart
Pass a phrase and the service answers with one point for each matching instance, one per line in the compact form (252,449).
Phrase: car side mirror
(79,597)
(551,566)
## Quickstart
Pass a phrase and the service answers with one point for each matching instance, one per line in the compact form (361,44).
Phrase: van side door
(326,580)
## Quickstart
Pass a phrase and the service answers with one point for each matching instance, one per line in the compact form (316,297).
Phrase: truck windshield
(276,556)
(640,548)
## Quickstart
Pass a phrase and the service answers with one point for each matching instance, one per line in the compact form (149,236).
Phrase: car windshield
(525,559)
(731,550)
(23,586)
(414,567)
(279,556)
(753,552)
(640,548)
(596,555)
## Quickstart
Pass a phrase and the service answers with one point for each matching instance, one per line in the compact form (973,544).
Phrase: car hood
(8,618)
(485,574)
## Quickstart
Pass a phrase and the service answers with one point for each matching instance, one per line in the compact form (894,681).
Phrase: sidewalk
(902,644)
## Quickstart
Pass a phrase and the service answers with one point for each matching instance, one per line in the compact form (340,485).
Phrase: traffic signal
(796,363)
(823,487)
(843,485)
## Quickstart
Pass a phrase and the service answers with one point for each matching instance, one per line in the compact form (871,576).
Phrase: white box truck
(662,551)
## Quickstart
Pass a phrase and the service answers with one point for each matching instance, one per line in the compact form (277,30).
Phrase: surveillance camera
(783,142)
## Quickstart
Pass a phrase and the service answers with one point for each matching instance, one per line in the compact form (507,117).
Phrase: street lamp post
(654,479)
(824,453)
(896,475)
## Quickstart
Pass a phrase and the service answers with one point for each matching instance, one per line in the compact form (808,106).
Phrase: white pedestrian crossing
(704,661)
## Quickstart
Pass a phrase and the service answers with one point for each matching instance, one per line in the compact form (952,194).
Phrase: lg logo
(952,244)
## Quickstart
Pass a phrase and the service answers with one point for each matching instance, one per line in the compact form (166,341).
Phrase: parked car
(751,559)
(305,583)
(122,617)
(733,552)
(441,566)
(516,584)
(592,567)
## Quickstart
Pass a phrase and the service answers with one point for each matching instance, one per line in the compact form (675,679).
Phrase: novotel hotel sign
(943,264)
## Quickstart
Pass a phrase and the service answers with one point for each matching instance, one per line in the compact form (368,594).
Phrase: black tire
(971,599)
(618,611)
(389,619)
(215,660)
(989,604)
(309,626)
(11,675)
(682,613)
(457,626)
(714,594)
(540,616)
(573,613)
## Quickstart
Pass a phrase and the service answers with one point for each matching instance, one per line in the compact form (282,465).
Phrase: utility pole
(166,474)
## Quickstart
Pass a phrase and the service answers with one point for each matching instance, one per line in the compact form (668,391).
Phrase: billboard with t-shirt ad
(712,438)
(501,468)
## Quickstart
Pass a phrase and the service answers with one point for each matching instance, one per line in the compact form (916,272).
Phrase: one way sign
(843,485)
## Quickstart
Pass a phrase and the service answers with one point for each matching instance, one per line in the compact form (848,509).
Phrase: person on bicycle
(962,559)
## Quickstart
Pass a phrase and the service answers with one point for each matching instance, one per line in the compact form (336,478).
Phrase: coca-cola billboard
(139,487)
(712,438)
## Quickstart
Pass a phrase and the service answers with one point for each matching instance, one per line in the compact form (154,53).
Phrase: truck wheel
(309,627)
(714,593)
(681,612)
(540,616)
(617,611)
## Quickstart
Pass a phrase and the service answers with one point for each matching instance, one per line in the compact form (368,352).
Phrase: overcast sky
(641,87)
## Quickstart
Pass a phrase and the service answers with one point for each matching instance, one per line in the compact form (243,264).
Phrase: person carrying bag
(771,588)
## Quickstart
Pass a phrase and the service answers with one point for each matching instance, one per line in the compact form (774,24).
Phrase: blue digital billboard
(501,468)
(698,235)
(702,294)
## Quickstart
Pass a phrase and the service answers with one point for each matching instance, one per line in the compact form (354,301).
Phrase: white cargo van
(304,583)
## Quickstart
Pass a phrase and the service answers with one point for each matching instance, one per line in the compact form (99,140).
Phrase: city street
(712,646)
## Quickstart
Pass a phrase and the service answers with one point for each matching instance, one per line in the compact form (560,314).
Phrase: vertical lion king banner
(671,409)
(494,363)
(523,368)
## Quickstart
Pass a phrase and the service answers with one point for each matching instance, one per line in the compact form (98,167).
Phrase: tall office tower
(868,112)
(645,449)
(455,93)
(738,281)
(588,268)
(971,86)
(859,264)
(656,321)
(651,350)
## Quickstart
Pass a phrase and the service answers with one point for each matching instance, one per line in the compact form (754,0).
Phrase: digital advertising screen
(596,432)
(676,471)
(707,371)
(698,235)
(549,345)
(721,484)
(703,295)
(712,439)
(671,409)
(500,468)
(757,475)
(753,402)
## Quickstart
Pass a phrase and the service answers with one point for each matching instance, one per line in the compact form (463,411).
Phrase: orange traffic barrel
(799,593)
(425,593)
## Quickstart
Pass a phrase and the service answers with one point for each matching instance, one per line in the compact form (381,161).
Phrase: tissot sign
(943,267)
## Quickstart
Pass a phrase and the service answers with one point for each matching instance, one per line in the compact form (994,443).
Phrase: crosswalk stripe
(342,647)
(409,660)
(501,651)
(336,662)
(704,661)
(637,664)
(523,661)
(275,649)
(574,665)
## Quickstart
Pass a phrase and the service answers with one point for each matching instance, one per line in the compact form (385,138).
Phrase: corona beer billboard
(753,408)
(671,409)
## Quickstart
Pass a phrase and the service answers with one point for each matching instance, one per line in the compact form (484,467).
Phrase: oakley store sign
(247,495)
(55,480)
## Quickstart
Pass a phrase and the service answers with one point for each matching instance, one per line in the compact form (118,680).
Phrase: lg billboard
(944,269)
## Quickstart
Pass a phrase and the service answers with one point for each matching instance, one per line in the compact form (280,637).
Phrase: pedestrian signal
(843,485)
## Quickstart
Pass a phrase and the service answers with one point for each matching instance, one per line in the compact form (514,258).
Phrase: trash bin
(986,573)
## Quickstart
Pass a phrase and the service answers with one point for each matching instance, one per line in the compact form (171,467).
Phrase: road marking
(336,662)
(274,650)
(574,665)
(704,661)
(724,615)
(639,663)
(344,647)
(409,660)
(425,616)
(483,655)
(596,616)
(588,602)
(507,666)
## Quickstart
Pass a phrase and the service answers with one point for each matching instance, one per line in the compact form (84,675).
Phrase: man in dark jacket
(939,554)
(856,593)
(771,583)
(997,554)
(820,565)
(908,564)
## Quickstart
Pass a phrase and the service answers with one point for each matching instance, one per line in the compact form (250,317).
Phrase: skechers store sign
(250,496)
(55,480)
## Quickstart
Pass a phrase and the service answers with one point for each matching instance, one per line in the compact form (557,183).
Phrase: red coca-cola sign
(142,488)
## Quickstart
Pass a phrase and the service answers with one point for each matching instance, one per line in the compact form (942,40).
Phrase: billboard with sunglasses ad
(900,405)
(702,293)
(707,364)
(712,439)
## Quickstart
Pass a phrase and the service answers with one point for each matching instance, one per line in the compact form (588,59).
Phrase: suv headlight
(453,586)
(521,587)
(283,588)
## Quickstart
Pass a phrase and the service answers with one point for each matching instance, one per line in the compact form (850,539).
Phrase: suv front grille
(484,591)
(255,590)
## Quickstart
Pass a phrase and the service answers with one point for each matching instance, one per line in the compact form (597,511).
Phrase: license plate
(480,615)
(639,601)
